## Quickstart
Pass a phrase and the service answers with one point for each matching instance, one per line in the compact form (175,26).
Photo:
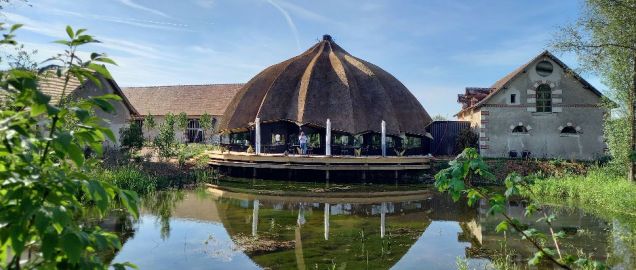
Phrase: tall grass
(130,177)
(600,190)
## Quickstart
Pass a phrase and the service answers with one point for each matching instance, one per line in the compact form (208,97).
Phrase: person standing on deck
(302,139)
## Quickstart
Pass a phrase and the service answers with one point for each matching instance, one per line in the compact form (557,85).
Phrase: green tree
(165,141)
(205,122)
(182,124)
(150,123)
(45,189)
(604,39)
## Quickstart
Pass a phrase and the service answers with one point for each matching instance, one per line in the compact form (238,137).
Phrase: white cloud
(134,5)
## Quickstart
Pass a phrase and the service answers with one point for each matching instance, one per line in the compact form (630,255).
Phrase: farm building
(542,109)
(194,100)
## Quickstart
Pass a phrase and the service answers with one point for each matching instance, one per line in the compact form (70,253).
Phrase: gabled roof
(503,82)
(53,86)
(194,100)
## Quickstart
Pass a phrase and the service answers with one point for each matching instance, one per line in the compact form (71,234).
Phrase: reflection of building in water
(485,241)
(330,230)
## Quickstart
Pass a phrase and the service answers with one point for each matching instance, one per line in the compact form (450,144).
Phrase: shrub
(467,138)
(131,137)
(165,141)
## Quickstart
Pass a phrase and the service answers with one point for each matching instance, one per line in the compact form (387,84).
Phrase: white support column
(255,217)
(257,144)
(383,138)
(382,219)
(327,215)
(328,139)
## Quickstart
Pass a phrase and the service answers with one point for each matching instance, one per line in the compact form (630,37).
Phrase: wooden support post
(254,172)
(364,176)
(327,175)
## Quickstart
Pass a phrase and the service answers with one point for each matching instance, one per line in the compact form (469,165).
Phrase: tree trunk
(632,121)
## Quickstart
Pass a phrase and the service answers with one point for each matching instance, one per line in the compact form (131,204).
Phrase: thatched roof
(327,82)
(52,85)
(194,100)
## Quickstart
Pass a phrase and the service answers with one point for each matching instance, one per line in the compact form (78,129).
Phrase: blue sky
(436,48)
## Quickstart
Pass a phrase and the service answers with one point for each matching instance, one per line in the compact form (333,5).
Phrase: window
(195,133)
(544,98)
(544,68)
(569,130)
(513,98)
(520,129)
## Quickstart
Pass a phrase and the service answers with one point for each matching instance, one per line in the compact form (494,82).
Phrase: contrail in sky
(289,20)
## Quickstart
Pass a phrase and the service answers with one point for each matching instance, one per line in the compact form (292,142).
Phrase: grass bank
(601,191)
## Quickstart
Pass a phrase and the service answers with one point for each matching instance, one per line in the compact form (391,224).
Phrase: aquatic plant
(457,180)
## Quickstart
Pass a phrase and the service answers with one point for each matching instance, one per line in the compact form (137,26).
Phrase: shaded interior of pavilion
(282,136)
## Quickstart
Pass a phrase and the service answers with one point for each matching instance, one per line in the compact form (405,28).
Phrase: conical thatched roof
(327,82)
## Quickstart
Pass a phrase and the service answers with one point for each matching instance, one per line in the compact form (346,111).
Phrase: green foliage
(165,141)
(602,190)
(150,124)
(603,38)
(617,132)
(458,179)
(205,122)
(182,123)
(130,177)
(131,137)
(467,138)
(44,183)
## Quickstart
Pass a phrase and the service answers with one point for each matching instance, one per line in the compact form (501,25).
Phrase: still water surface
(220,230)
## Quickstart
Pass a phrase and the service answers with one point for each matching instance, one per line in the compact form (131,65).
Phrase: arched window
(520,129)
(544,98)
(569,130)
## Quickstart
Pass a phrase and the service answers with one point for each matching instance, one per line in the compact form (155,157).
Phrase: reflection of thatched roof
(194,100)
(327,82)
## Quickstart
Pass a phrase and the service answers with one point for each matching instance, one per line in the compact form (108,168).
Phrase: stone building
(194,100)
(543,109)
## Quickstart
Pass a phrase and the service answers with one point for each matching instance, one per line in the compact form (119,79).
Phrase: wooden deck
(317,162)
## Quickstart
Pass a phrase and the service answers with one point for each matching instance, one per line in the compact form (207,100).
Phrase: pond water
(224,230)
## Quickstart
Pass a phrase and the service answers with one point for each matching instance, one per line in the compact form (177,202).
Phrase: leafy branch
(457,180)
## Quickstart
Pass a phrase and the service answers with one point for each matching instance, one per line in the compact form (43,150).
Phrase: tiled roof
(53,86)
(194,100)
(49,83)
